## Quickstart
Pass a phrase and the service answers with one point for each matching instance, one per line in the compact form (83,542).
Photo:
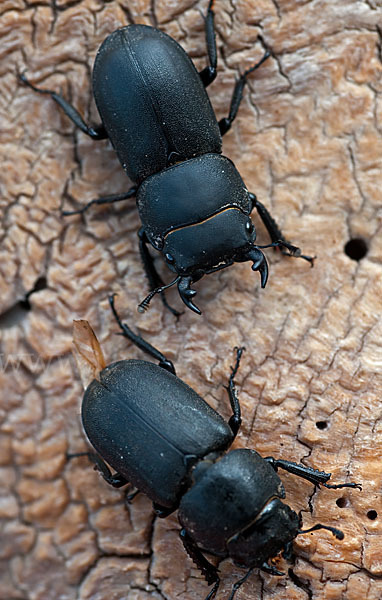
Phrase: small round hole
(356,248)
(321,424)
(372,515)
(341,502)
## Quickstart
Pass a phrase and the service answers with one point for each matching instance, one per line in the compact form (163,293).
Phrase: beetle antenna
(144,304)
(336,532)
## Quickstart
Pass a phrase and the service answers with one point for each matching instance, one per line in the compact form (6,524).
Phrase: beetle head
(203,248)
(212,245)
(269,534)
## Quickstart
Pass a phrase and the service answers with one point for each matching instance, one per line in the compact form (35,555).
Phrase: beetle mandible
(160,436)
(193,204)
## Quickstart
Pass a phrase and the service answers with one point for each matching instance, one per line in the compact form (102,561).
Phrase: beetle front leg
(235,421)
(271,569)
(155,280)
(273,229)
(116,480)
(164,362)
(96,133)
(208,570)
(313,475)
(208,74)
(239,583)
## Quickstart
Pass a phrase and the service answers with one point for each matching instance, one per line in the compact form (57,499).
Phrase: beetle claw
(186,293)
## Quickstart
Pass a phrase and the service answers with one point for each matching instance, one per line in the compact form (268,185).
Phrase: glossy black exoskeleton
(193,204)
(160,436)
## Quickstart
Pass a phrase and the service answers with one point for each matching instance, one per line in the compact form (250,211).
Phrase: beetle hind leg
(96,133)
(114,479)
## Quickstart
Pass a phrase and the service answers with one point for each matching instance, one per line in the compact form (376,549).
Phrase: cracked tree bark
(308,142)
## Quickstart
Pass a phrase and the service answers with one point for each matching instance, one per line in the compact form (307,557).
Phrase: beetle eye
(169,258)
(249,226)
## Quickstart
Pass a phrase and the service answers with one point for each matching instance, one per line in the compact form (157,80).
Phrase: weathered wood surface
(308,143)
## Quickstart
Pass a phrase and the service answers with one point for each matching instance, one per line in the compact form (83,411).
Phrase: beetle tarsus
(313,475)
(98,201)
(336,532)
(96,133)
(337,486)
(271,569)
(274,231)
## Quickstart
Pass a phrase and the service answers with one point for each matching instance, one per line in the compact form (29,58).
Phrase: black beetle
(193,204)
(164,439)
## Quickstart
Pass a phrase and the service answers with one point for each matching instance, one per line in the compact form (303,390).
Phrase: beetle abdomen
(151,100)
(144,421)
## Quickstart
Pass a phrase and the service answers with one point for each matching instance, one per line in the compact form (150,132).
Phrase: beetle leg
(105,200)
(273,229)
(239,583)
(96,133)
(271,569)
(336,532)
(164,362)
(186,293)
(208,74)
(208,570)
(237,95)
(162,511)
(116,480)
(312,475)
(235,421)
(287,552)
(130,496)
(155,280)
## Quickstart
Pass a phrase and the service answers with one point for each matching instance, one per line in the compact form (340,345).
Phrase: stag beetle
(160,436)
(193,204)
